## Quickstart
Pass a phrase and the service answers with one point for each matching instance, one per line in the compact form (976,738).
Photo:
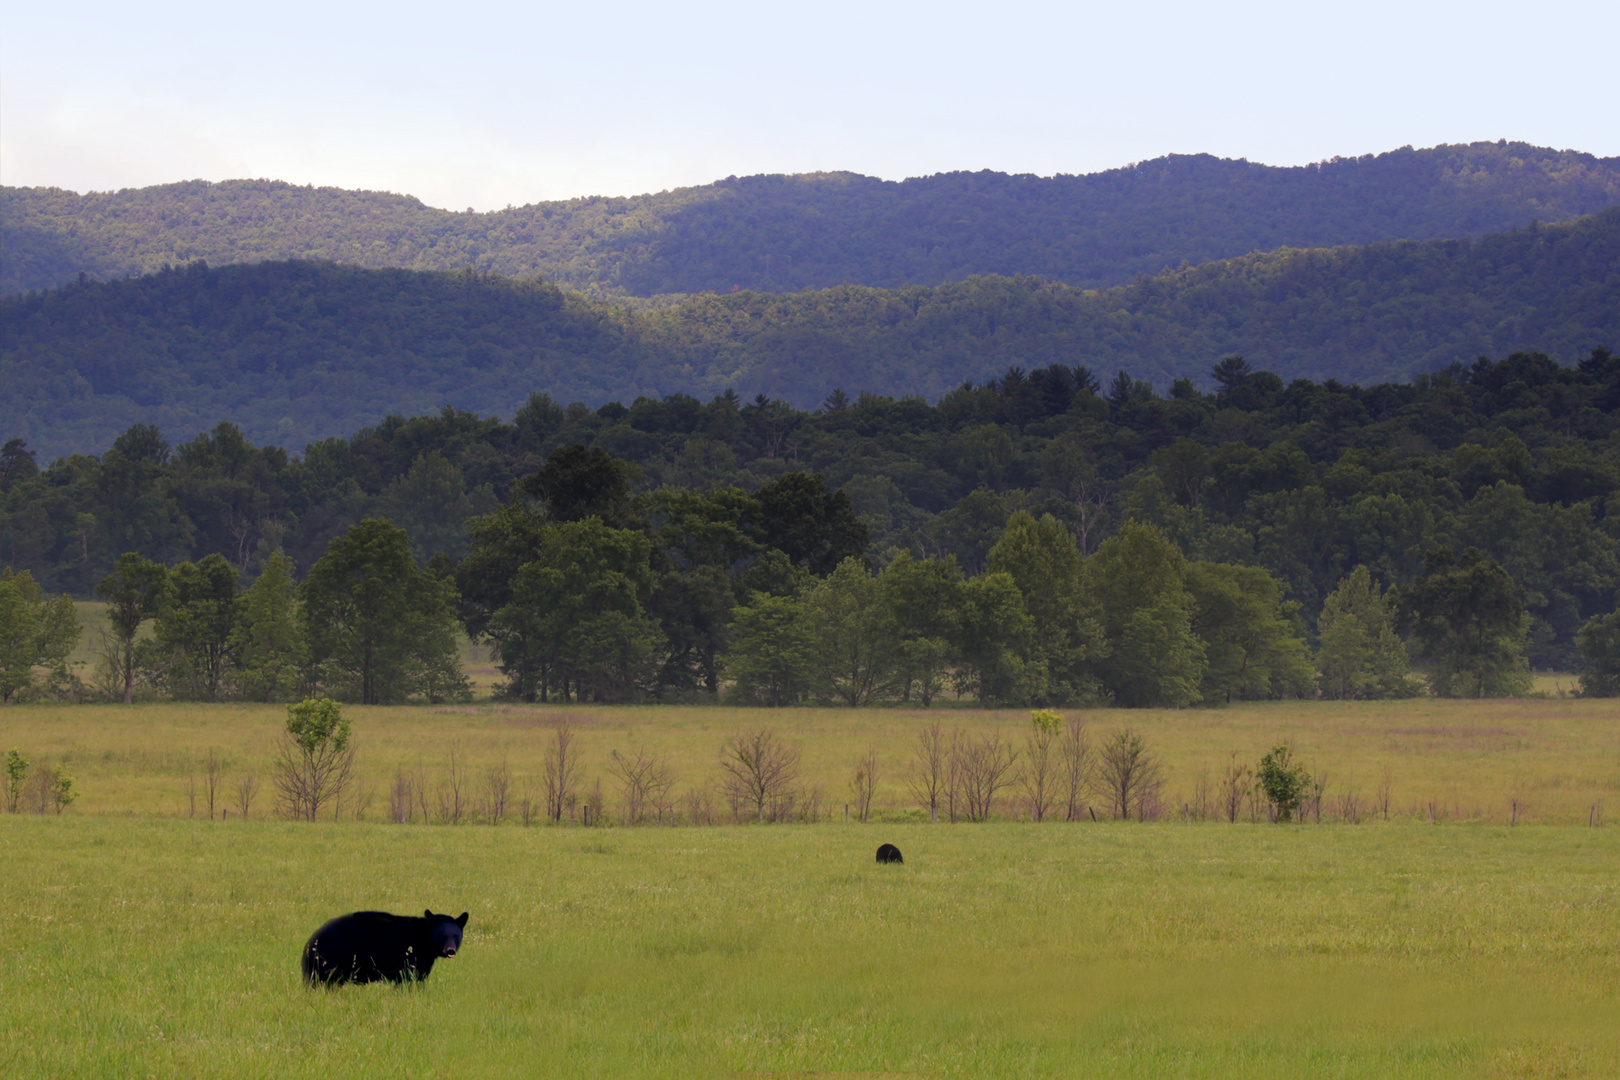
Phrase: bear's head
(445,933)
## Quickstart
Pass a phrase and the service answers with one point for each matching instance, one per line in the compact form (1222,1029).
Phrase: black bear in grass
(888,853)
(369,946)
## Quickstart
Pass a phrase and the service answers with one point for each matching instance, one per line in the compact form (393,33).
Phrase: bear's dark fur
(888,853)
(369,946)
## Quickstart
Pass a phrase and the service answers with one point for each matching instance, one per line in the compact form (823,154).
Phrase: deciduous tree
(35,632)
(376,624)
(1137,578)
(1599,641)
(1065,635)
(268,638)
(196,628)
(1468,621)
(1360,655)
(135,592)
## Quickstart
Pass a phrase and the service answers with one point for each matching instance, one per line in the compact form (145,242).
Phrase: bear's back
(362,946)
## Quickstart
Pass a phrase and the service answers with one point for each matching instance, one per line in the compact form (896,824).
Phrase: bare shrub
(955,801)
(644,782)
(1202,804)
(191,793)
(561,776)
(246,789)
(360,801)
(1078,768)
(529,808)
(760,769)
(315,761)
(401,797)
(1383,792)
(926,774)
(1237,783)
(212,770)
(1131,775)
(1348,806)
(984,764)
(1311,804)
(1150,803)
(497,791)
(452,792)
(863,784)
(419,788)
(700,804)
(594,803)
(1039,776)
(811,801)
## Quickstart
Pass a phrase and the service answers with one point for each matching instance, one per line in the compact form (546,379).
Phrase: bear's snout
(449,951)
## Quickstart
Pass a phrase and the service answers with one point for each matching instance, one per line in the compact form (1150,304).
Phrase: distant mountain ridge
(296,351)
(785,233)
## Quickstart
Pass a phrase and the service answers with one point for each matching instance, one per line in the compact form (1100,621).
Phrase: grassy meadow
(144,939)
(1558,758)
(163,947)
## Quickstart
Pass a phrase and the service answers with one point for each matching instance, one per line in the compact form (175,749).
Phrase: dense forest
(1515,462)
(295,352)
(785,233)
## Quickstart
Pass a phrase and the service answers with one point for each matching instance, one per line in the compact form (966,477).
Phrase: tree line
(1515,458)
(585,590)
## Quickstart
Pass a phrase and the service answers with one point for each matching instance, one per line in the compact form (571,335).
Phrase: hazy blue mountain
(784,233)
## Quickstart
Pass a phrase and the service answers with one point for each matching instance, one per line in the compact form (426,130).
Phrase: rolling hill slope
(294,351)
(785,233)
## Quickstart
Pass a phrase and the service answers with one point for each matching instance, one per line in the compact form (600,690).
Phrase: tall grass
(1557,759)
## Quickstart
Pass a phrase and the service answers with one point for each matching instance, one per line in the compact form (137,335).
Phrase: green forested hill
(294,351)
(784,233)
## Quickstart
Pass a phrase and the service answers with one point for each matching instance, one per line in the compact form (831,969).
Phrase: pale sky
(485,104)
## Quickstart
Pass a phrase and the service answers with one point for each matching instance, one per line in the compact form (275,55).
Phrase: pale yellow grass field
(1558,757)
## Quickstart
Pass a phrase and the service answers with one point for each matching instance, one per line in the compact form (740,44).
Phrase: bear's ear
(461,920)
(427,913)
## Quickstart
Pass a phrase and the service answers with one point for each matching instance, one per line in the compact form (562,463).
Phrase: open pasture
(142,941)
(162,947)
(1557,758)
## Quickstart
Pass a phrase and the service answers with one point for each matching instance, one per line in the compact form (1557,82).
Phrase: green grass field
(157,947)
(140,941)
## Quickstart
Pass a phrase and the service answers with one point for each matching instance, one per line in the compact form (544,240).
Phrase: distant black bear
(888,853)
(369,946)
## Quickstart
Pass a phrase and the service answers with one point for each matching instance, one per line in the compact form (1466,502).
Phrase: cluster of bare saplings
(1056,772)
